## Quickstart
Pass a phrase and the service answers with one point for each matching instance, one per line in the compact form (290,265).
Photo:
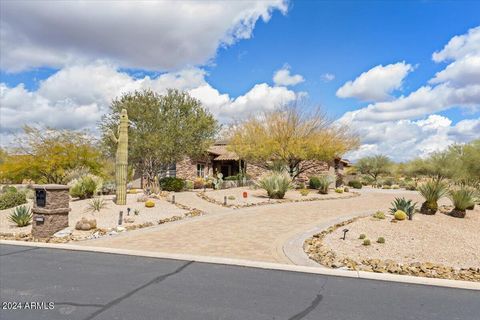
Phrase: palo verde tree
(163,129)
(374,166)
(46,155)
(291,137)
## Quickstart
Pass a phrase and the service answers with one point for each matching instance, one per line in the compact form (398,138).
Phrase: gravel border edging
(203,196)
(317,251)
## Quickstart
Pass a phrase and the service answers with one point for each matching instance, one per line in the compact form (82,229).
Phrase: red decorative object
(245,194)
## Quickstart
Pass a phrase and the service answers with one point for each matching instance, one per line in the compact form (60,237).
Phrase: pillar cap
(50,187)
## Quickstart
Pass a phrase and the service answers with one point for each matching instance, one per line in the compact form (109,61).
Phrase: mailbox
(50,209)
(41,197)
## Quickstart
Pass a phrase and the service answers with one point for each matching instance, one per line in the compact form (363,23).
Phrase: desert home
(221,160)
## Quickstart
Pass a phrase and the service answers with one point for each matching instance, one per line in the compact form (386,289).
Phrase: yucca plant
(462,199)
(432,191)
(276,184)
(404,205)
(96,204)
(21,216)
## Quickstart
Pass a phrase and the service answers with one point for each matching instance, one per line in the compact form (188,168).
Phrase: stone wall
(187,168)
(319,168)
(54,214)
(254,172)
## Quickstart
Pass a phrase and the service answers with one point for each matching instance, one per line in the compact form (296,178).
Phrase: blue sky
(227,57)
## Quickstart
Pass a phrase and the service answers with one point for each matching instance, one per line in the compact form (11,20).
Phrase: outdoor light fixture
(120,218)
(344,233)
(128,211)
(173,199)
(225,200)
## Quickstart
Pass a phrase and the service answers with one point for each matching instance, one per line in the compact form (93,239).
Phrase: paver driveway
(254,233)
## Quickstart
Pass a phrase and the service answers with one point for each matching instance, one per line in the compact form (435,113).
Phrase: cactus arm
(112,136)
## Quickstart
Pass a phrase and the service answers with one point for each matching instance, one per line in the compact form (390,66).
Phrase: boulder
(86,223)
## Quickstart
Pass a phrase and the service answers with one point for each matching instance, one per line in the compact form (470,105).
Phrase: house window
(169,170)
(200,170)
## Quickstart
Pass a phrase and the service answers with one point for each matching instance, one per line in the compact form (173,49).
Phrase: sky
(403,75)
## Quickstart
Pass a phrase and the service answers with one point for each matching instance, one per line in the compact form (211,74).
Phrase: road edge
(458,284)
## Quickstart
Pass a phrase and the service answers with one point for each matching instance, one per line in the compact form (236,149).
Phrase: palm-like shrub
(462,199)
(86,186)
(21,216)
(96,204)
(402,204)
(276,184)
(432,191)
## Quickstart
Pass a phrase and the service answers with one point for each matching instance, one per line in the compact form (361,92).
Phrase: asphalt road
(86,285)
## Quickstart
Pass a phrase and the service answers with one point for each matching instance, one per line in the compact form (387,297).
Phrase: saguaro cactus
(121,161)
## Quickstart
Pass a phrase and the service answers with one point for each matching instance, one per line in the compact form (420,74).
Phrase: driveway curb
(258,264)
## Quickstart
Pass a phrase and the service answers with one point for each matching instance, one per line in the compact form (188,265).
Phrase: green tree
(163,129)
(374,166)
(291,138)
(46,155)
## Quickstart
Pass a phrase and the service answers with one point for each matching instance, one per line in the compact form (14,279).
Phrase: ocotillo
(121,160)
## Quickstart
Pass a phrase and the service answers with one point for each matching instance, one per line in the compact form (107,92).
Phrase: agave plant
(432,191)
(21,216)
(404,205)
(462,198)
(276,184)
(96,204)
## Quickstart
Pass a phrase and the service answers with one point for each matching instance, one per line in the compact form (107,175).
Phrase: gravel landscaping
(107,218)
(259,196)
(434,246)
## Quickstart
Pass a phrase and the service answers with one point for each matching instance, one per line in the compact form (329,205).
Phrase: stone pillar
(50,209)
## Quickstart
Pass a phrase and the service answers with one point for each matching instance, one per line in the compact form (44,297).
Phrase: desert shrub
(346,189)
(86,186)
(339,190)
(462,198)
(362,236)
(304,192)
(366,242)
(400,215)
(381,240)
(412,186)
(12,199)
(172,184)
(386,187)
(432,191)
(96,204)
(276,184)
(189,184)
(395,186)
(314,182)
(7,189)
(199,183)
(355,184)
(21,216)
(109,188)
(379,215)
(388,182)
(149,204)
(136,212)
(404,205)
(324,183)
(231,197)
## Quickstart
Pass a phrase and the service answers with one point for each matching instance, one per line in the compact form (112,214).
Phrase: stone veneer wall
(55,213)
(187,168)
(254,171)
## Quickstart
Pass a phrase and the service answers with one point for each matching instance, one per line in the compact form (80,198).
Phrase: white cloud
(460,46)
(405,139)
(408,126)
(377,83)
(327,77)
(77,96)
(283,77)
(154,35)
